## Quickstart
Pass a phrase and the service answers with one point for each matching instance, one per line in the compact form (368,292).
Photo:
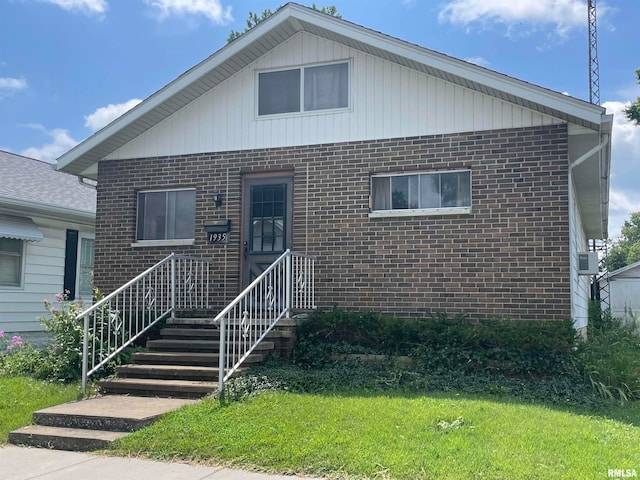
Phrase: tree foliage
(254,19)
(633,110)
(626,250)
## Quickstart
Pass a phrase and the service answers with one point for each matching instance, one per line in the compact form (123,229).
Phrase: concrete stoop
(93,423)
(176,369)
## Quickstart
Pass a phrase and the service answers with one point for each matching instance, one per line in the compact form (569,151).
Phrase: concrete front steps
(182,363)
(94,423)
(176,369)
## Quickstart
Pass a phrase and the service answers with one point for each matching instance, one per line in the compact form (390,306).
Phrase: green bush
(61,360)
(512,348)
(611,356)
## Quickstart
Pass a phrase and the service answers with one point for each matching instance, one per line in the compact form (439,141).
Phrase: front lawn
(399,436)
(21,396)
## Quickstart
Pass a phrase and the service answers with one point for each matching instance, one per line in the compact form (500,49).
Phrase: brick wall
(508,257)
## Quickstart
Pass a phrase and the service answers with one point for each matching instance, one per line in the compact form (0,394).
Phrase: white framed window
(166,215)
(86,255)
(421,193)
(305,89)
(11,256)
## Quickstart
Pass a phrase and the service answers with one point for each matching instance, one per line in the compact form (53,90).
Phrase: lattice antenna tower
(594,67)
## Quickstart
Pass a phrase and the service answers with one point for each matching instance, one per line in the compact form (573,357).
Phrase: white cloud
(482,62)
(626,135)
(9,85)
(61,142)
(212,9)
(621,205)
(624,198)
(105,115)
(88,7)
(520,17)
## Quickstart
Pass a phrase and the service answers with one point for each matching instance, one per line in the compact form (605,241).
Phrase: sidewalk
(22,463)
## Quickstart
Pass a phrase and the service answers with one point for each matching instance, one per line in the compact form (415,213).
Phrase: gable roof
(589,148)
(624,269)
(32,185)
(287,21)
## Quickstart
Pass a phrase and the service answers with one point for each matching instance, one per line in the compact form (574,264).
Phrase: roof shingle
(37,182)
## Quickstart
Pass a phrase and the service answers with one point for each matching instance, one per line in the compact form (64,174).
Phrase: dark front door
(267,223)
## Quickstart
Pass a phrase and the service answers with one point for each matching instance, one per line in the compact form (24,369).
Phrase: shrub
(512,348)
(611,357)
(61,360)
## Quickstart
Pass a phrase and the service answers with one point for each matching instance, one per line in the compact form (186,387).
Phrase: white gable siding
(43,277)
(580,284)
(387,100)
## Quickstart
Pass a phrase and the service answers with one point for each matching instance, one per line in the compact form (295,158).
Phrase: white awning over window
(20,228)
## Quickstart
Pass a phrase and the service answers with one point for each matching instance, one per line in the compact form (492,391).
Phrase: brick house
(421,183)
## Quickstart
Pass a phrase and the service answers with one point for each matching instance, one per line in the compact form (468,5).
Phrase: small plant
(611,357)
(7,346)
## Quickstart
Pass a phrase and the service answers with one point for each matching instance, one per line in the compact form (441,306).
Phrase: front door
(267,223)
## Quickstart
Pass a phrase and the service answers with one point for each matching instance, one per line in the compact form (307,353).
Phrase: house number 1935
(222,237)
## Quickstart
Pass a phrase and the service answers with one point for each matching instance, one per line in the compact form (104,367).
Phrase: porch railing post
(85,353)
(173,284)
(221,356)
(288,283)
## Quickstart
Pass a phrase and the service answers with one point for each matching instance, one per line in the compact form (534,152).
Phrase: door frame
(258,179)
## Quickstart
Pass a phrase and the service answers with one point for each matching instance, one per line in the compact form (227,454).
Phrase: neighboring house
(421,182)
(46,241)
(624,291)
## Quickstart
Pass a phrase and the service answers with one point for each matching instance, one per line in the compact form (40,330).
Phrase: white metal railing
(286,285)
(175,283)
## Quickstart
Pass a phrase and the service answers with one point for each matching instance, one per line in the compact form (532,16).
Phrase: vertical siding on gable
(387,101)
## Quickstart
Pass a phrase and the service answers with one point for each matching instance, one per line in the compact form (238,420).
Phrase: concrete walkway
(21,463)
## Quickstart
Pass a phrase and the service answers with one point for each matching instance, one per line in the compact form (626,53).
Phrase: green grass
(20,397)
(410,436)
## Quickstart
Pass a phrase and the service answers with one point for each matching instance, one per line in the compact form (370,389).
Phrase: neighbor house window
(166,215)
(85,267)
(421,192)
(307,89)
(10,262)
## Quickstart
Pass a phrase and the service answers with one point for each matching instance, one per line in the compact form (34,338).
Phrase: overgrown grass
(399,436)
(21,396)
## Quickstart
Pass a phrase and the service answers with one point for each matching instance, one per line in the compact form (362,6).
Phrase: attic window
(307,89)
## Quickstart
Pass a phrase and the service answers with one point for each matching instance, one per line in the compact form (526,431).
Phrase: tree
(254,19)
(626,250)
(633,110)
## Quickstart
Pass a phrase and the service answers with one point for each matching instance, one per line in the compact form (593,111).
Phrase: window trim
(302,111)
(407,212)
(23,263)
(163,241)
(84,236)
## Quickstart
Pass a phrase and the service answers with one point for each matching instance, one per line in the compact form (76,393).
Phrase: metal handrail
(118,319)
(287,284)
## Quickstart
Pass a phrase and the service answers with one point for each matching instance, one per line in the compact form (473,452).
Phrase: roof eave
(39,209)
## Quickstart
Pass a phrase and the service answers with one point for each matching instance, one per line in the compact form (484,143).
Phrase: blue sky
(68,67)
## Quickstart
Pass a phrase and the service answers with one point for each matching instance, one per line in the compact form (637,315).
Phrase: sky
(69,67)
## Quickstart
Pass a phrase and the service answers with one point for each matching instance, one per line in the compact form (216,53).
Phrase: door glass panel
(267,218)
